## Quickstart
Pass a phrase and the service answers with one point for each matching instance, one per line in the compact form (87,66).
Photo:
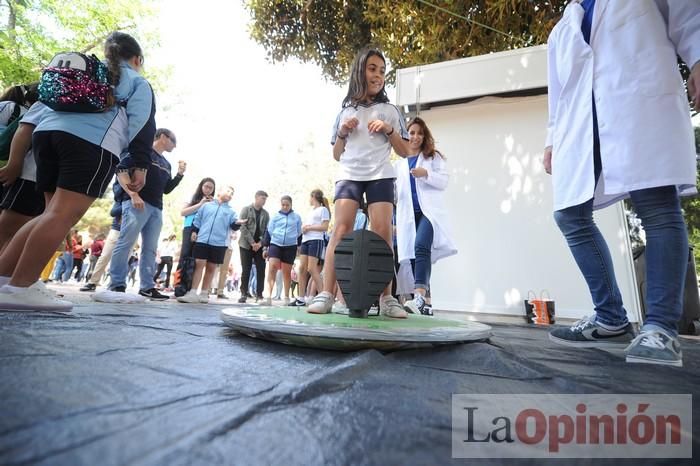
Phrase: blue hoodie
(213,222)
(285,229)
(125,127)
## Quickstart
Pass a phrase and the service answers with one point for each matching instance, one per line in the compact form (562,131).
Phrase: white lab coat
(646,136)
(430,195)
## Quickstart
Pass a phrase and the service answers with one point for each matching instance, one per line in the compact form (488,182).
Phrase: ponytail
(119,47)
(317,194)
(327,205)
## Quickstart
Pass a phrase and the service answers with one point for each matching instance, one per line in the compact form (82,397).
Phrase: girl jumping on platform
(365,131)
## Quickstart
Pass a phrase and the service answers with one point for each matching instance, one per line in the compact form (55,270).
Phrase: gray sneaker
(587,333)
(390,307)
(321,304)
(655,347)
(415,305)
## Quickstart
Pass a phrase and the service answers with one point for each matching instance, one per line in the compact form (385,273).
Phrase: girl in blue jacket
(211,231)
(283,237)
(77,155)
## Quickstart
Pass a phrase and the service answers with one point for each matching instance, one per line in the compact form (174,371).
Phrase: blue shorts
(312,248)
(286,254)
(374,191)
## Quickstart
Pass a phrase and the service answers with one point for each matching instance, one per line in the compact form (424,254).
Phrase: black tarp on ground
(164,384)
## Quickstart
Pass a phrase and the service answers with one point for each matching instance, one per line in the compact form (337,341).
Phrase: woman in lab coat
(619,126)
(422,231)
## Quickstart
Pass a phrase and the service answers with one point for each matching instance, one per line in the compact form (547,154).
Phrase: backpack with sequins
(74,82)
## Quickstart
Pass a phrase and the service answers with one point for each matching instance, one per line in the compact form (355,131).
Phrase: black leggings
(248,257)
(165,260)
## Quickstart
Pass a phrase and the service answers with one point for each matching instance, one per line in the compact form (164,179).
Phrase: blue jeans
(67,266)
(148,222)
(666,257)
(422,264)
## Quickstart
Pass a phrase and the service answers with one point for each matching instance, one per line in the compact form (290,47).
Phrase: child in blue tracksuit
(210,230)
(281,241)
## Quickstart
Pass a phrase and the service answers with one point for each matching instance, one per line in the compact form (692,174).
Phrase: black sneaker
(119,289)
(154,295)
(587,333)
(428,309)
(298,303)
(89,287)
(241,300)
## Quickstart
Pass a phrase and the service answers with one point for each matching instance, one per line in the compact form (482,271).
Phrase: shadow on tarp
(159,384)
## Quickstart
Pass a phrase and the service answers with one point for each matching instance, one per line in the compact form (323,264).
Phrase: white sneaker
(321,304)
(204,298)
(390,307)
(267,302)
(340,308)
(33,298)
(191,297)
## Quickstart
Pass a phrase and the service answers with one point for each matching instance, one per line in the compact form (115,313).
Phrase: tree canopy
(32,31)
(410,33)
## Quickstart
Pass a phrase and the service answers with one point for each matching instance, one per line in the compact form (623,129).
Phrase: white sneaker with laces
(33,298)
(321,304)
(340,308)
(390,307)
(191,297)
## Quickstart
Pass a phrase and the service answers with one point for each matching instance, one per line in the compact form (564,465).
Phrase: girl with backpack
(77,156)
(365,131)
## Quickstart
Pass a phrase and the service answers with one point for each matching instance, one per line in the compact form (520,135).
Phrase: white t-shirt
(169,249)
(366,155)
(317,216)
(7,108)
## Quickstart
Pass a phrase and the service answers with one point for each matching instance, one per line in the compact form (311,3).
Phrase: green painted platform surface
(295,326)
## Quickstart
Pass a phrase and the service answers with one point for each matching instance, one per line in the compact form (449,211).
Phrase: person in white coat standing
(619,126)
(422,232)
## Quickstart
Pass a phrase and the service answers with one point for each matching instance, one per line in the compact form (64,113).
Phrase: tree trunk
(12,27)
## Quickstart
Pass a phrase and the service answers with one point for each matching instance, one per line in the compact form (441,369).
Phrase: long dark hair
(318,195)
(20,94)
(120,46)
(357,86)
(198,194)
(428,145)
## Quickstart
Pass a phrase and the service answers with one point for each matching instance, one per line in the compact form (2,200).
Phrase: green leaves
(330,32)
(32,31)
